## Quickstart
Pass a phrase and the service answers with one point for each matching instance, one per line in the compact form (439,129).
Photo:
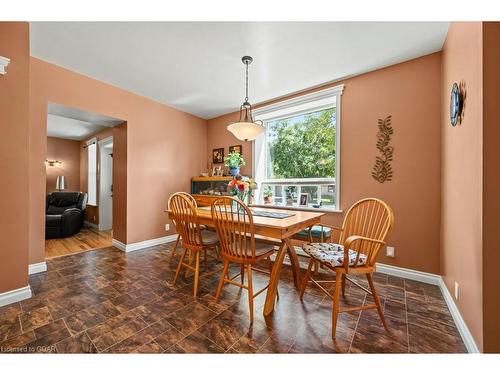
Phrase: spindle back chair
(234,223)
(362,235)
(173,254)
(235,228)
(183,213)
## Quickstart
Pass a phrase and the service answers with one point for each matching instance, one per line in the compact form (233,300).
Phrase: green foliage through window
(302,146)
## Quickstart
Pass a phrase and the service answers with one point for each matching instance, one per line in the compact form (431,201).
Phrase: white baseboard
(143,244)
(118,244)
(15,295)
(37,268)
(100,228)
(406,273)
(430,278)
(457,318)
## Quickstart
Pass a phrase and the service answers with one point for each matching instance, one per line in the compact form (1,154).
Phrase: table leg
(294,260)
(274,280)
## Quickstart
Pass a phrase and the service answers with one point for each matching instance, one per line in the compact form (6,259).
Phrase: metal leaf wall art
(382,171)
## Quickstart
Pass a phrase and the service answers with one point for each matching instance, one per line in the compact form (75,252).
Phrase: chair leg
(197,272)
(343,284)
(336,303)
(306,278)
(242,273)
(316,268)
(250,292)
(221,281)
(190,262)
(206,259)
(183,255)
(174,250)
(377,300)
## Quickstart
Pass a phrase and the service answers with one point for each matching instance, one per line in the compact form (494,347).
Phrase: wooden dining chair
(364,231)
(173,254)
(195,239)
(235,228)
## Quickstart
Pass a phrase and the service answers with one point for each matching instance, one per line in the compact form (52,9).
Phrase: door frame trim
(101,143)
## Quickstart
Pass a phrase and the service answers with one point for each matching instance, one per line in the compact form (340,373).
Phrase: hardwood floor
(108,301)
(86,239)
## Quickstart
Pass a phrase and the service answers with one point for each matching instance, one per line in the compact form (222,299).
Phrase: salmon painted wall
(461,165)
(14,152)
(152,154)
(410,92)
(68,152)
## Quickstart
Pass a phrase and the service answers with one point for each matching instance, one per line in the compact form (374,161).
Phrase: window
(298,154)
(92,172)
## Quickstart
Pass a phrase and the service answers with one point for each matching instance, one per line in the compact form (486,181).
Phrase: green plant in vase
(234,161)
(268,195)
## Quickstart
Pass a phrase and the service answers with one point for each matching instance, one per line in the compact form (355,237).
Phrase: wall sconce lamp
(53,163)
(4,61)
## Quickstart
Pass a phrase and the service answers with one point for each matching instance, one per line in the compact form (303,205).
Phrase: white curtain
(92,173)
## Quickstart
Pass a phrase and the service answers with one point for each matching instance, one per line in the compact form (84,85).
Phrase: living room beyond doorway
(79,185)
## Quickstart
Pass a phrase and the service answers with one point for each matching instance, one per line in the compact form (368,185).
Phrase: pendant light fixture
(246,129)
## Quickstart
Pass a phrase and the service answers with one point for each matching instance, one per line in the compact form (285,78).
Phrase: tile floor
(109,301)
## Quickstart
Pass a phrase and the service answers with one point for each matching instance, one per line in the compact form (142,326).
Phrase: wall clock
(456,104)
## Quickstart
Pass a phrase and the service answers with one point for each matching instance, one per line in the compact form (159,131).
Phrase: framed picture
(304,199)
(218,155)
(218,171)
(235,148)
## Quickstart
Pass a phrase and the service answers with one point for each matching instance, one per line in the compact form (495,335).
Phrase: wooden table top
(278,228)
(286,222)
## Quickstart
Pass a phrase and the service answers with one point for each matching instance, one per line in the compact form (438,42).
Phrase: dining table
(272,224)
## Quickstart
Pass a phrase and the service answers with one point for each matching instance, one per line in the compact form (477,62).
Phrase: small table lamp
(61,183)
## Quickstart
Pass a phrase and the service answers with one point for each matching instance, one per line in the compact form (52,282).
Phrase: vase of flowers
(234,161)
(240,188)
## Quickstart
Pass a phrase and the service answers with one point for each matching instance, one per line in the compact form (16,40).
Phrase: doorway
(79,171)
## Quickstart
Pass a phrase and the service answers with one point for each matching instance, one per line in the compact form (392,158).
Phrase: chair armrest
(71,221)
(353,239)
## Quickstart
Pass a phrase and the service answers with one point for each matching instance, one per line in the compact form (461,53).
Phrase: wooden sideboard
(206,189)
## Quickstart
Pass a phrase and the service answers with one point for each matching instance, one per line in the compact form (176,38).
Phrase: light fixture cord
(246,77)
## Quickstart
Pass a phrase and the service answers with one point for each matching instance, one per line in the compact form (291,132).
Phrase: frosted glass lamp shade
(245,131)
(61,183)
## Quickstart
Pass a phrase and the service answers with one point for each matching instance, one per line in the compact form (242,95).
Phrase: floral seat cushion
(332,254)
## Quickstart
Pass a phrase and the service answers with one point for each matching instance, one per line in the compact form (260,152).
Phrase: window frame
(299,105)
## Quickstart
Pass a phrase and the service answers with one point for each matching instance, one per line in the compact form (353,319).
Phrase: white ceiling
(196,67)
(76,124)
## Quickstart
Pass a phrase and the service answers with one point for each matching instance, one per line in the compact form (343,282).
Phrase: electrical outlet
(167,227)
(457,291)
(390,251)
